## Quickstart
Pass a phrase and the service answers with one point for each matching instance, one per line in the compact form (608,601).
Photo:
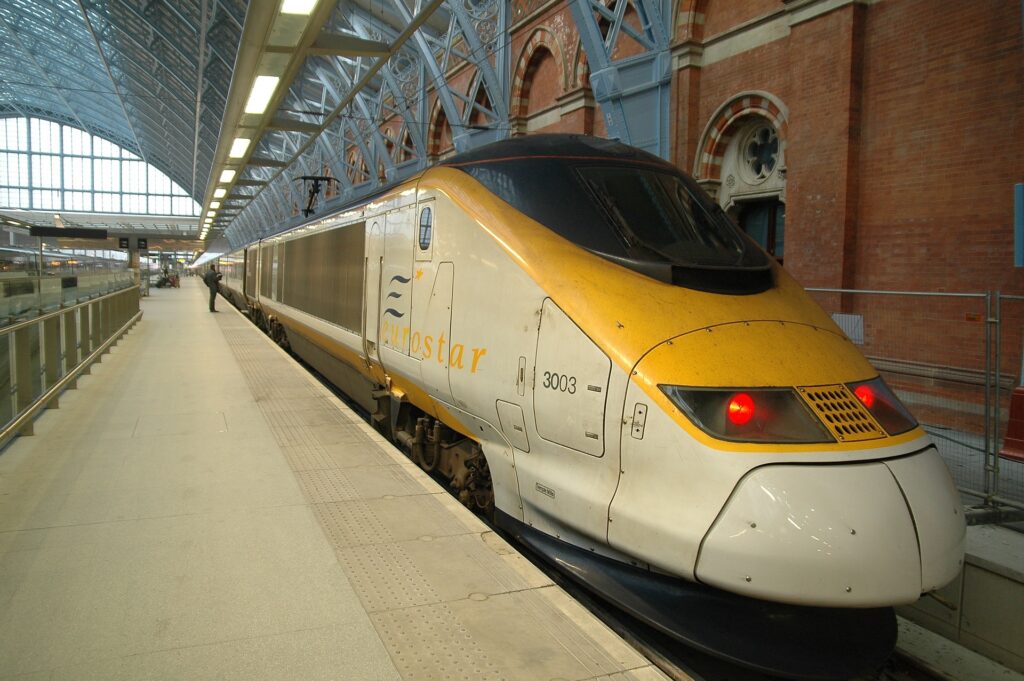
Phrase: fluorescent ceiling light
(210,213)
(227,175)
(214,204)
(239,147)
(219,192)
(262,90)
(298,6)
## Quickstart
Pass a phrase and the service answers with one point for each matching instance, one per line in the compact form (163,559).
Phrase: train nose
(852,535)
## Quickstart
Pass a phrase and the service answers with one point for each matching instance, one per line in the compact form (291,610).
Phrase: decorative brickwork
(723,126)
(526,65)
(581,68)
(690,20)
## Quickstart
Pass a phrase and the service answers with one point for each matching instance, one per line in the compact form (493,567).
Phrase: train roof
(552,147)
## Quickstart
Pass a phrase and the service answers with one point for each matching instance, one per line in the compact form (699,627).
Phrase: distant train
(574,336)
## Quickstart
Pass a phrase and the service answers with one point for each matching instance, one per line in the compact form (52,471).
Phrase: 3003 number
(560,382)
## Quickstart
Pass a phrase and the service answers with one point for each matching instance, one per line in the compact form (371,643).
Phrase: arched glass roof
(46,166)
(150,76)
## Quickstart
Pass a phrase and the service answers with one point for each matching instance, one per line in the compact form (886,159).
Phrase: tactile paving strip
(433,646)
(351,523)
(385,577)
(308,458)
(325,486)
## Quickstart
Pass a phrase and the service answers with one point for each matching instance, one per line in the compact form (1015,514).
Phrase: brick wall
(903,145)
(723,16)
(941,146)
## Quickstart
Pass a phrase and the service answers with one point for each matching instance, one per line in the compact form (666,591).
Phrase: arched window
(50,166)
(754,185)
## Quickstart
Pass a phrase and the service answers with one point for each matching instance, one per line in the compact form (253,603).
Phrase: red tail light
(740,409)
(749,414)
(866,395)
(884,406)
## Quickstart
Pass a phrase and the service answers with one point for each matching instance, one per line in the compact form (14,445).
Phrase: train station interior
(512,339)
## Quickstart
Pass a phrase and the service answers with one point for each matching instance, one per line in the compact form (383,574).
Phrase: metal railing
(43,356)
(954,359)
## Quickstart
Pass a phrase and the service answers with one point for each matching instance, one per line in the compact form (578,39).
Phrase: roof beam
(291,125)
(338,45)
(266,163)
(200,71)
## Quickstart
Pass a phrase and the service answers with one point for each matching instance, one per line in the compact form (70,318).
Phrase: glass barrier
(27,296)
(41,356)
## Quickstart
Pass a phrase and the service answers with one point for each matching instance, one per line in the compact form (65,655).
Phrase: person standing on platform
(210,279)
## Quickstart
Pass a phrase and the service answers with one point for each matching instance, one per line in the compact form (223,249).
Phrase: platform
(201,508)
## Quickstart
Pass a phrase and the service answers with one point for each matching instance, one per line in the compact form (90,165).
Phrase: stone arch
(723,126)
(541,38)
(690,20)
(581,67)
(436,138)
(356,167)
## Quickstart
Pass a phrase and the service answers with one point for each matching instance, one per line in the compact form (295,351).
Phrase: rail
(42,357)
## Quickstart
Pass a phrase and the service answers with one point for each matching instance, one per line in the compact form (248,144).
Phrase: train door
(432,287)
(396,282)
(571,385)
(372,273)
(437,331)
(569,476)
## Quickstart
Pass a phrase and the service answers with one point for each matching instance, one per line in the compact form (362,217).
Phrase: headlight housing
(883,405)
(765,415)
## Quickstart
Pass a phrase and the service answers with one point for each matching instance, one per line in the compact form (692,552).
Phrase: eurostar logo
(393,294)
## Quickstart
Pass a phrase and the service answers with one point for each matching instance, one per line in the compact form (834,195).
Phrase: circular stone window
(760,153)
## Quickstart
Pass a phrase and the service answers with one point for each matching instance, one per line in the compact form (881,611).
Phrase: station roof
(170,81)
(152,77)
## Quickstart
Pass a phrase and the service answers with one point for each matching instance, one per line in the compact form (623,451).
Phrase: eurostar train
(580,342)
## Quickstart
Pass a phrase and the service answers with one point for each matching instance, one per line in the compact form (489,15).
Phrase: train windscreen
(647,216)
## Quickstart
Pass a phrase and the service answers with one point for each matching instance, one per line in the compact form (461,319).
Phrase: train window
(657,217)
(426,228)
(624,205)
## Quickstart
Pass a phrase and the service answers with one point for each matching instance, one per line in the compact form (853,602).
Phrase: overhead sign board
(68,232)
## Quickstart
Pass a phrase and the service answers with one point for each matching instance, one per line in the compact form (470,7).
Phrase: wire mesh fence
(954,359)
(1009,465)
